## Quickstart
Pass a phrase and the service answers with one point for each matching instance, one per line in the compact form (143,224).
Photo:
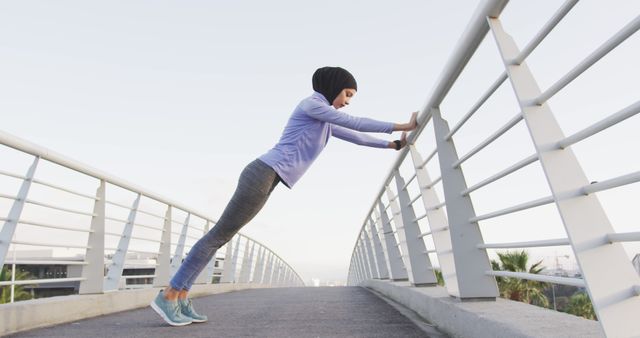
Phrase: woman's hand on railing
(411,125)
(399,144)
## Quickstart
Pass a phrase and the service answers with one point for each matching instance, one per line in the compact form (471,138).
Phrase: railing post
(377,248)
(438,224)
(163,263)
(362,274)
(176,262)
(276,271)
(281,270)
(471,263)
(287,275)
(93,271)
(290,277)
(114,274)
(9,227)
(359,269)
(233,262)
(285,278)
(419,269)
(608,274)
(206,276)
(247,260)
(353,269)
(268,270)
(370,256)
(395,264)
(363,260)
(227,270)
(356,268)
(257,272)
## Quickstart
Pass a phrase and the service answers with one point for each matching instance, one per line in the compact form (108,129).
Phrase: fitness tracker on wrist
(398,144)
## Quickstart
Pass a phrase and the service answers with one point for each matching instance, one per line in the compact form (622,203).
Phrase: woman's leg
(256,183)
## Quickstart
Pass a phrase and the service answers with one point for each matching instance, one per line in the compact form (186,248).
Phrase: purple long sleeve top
(307,132)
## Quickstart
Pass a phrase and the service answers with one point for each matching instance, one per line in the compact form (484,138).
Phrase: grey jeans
(255,184)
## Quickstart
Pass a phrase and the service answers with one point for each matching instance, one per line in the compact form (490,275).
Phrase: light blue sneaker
(169,311)
(186,306)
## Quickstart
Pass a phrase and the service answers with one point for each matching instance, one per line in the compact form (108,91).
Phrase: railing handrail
(469,41)
(25,146)
(40,152)
(394,246)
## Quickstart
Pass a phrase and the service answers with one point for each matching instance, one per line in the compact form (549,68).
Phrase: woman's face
(343,98)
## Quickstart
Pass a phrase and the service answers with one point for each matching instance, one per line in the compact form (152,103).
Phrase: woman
(313,121)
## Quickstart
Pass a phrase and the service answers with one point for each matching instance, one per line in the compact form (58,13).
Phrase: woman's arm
(364,139)
(323,112)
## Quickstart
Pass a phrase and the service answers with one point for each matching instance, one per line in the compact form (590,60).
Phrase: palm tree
(521,290)
(580,305)
(439,277)
(18,292)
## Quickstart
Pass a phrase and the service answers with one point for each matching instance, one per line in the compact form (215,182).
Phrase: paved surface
(283,312)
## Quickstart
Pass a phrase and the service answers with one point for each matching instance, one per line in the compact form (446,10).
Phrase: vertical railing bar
(470,263)
(114,272)
(163,270)
(9,227)
(93,272)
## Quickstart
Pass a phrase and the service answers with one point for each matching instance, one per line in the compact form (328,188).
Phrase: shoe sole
(157,309)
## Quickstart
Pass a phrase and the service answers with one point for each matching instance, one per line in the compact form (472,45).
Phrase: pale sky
(178,96)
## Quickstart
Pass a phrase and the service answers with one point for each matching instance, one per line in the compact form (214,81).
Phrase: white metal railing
(393,246)
(246,260)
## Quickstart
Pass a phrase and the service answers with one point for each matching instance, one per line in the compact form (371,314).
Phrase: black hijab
(330,81)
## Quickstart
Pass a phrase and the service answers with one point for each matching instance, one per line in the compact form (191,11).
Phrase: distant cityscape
(135,264)
(144,264)
(317,282)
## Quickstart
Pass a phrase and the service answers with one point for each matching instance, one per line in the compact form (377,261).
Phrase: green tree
(19,291)
(580,305)
(439,277)
(517,289)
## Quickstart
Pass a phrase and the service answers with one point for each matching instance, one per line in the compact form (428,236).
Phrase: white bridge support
(10,223)
(414,251)
(393,258)
(612,287)
(163,271)
(93,273)
(470,262)
(381,264)
(370,255)
(117,265)
(176,261)
(438,224)
(96,276)
(206,275)
(453,226)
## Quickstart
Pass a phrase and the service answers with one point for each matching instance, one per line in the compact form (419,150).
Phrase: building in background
(43,265)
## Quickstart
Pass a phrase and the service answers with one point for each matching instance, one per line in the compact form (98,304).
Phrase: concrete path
(282,312)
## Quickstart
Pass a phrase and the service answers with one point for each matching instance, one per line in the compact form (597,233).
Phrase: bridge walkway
(274,312)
